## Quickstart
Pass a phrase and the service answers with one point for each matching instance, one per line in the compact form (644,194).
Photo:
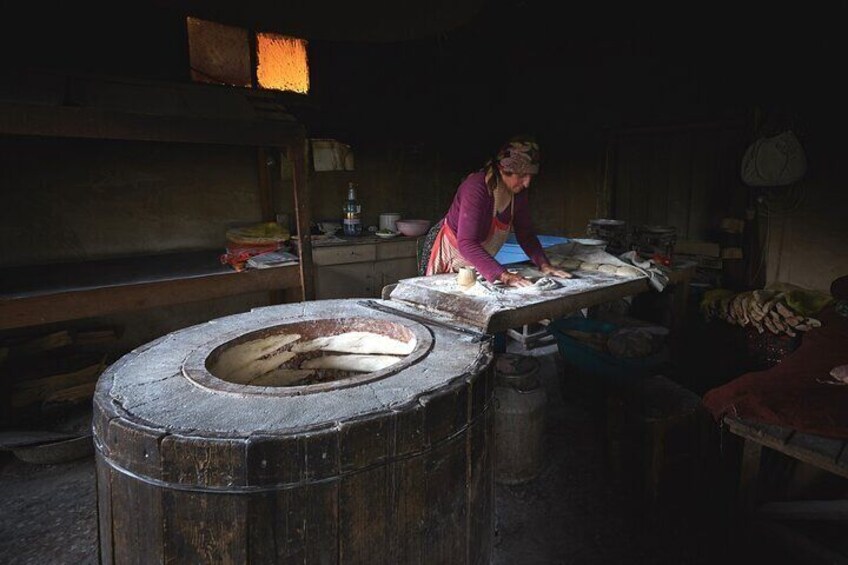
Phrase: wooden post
(748,470)
(297,155)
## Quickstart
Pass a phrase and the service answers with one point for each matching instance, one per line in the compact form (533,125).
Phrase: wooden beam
(24,311)
(95,123)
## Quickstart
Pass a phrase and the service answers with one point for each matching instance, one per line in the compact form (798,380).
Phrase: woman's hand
(512,279)
(550,270)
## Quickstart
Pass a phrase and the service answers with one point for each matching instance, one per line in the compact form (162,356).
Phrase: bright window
(282,63)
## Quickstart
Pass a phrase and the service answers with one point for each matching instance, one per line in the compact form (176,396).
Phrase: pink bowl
(413,228)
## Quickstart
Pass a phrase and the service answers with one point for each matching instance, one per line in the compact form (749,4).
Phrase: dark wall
(420,114)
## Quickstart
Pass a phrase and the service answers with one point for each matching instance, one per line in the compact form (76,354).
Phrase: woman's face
(515,182)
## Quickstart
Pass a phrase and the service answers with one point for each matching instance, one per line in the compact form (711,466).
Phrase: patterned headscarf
(519,157)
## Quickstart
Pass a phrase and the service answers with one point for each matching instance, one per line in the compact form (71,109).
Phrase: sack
(774,161)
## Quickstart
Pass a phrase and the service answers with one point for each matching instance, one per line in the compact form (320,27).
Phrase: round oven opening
(318,354)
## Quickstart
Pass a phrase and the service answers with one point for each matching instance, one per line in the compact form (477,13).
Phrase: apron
(445,256)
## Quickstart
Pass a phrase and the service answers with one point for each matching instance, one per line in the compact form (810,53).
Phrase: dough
(357,342)
(570,264)
(608,269)
(242,362)
(546,283)
(628,271)
(589,266)
(840,374)
(556,260)
(359,363)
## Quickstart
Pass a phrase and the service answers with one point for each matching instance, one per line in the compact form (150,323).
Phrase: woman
(488,205)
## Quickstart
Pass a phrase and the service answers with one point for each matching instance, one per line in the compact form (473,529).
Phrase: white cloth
(657,274)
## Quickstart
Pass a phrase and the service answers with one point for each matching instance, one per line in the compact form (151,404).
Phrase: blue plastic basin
(511,252)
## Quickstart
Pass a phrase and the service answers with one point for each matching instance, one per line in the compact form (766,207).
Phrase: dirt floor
(575,511)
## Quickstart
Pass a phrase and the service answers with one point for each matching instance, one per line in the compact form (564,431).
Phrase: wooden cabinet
(362,269)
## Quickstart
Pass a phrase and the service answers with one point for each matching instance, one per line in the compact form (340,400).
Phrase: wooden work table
(499,310)
(41,294)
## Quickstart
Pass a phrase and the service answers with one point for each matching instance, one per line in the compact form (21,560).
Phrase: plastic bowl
(599,243)
(413,228)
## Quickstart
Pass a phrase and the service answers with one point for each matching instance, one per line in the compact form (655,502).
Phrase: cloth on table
(799,392)
(657,274)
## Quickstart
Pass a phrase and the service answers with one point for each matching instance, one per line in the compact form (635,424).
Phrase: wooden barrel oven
(197,465)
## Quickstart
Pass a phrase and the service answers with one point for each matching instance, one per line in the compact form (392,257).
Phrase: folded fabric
(657,274)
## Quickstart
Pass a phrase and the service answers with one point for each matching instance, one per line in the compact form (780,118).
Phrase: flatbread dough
(589,266)
(357,342)
(245,361)
(570,264)
(609,269)
(546,283)
(358,363)
(628,271)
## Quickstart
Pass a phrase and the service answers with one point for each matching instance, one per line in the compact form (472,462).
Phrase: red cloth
(791,393)
(237,255)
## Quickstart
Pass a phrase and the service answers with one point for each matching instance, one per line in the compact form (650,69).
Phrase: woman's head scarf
(519,157)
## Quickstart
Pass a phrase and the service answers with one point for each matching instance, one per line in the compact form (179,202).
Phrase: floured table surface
(507,307)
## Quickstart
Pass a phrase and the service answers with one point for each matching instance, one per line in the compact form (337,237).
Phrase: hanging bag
(774,161)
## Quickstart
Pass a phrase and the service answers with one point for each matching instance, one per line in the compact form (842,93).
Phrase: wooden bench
(769,517)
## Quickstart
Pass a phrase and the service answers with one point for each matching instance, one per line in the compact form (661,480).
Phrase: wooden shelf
(59,106)
(41,294)
(95,123)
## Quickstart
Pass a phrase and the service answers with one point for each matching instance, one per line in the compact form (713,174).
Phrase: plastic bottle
(352,212)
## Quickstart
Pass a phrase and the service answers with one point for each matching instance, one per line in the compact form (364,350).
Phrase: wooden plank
(96,123)
(103,490)
(136,512)
(199,528)
(446,518)
(364,529)
(824,453)
(30,391)
(481,488)
(820,451)
(88,302)
(775,435)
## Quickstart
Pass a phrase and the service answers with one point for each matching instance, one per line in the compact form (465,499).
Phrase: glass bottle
(352,212)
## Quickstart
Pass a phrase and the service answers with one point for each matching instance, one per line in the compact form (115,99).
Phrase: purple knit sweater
(470,216)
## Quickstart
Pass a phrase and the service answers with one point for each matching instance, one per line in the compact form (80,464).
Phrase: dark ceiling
(391,67)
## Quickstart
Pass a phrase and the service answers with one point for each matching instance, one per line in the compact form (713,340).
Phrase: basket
(594,372)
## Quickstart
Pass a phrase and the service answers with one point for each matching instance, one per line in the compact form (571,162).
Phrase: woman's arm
(475,218)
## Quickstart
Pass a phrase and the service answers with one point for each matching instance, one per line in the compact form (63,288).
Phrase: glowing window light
(282,63)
